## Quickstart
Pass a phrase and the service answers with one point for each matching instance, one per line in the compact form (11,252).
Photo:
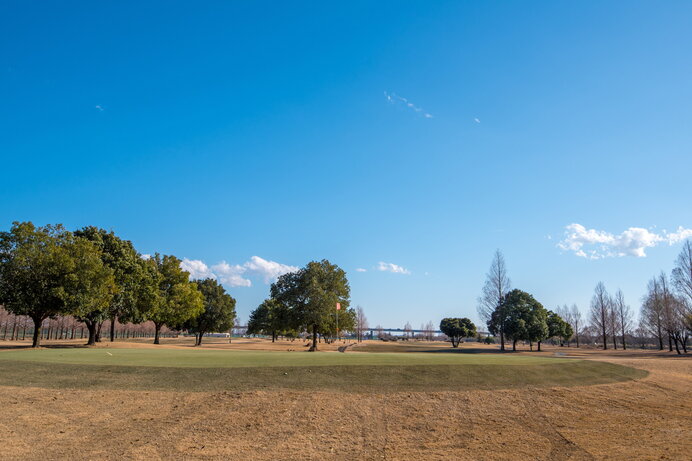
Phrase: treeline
(665,317)
(20,327)
(666,311)
(314,299)
(94,276)
(515,315)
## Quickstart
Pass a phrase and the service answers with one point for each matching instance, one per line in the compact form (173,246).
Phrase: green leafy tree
(136,287)
(457,329)
(559,328)
(520,317)
(271,318)
(311,295)
(178,299)
(502,321)
(219,310)
(347,322)
(537,325)
(90,286)
(35,266)
(260,320)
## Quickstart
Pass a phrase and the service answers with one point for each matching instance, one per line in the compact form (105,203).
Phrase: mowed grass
(201,358)
(210,370)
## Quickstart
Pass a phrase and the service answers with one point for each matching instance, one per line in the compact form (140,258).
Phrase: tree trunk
(37,332)
(91,326)
(531,346)
(313,348)
(539,346)
(502,340)
(113,328)
(514,345)
(98,331)
(670,343)
(605,337)
(660,340)
(199,339)
(157,332)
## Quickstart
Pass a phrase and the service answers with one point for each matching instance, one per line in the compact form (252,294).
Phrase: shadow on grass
(344,378)
(13,347)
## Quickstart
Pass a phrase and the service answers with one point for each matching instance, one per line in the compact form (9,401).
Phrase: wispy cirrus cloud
(395,99)
(391,267)
(634,241)
(237,275)
(99,107)
(360,269)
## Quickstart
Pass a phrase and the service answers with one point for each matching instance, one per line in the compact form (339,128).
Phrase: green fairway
(208,370)
(200,358)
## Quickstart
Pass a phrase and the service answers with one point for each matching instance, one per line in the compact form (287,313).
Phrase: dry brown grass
(645,419)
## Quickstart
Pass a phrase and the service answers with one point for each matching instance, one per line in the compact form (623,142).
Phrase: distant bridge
(372,331)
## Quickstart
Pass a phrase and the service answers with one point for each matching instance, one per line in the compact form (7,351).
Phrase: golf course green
(214,370)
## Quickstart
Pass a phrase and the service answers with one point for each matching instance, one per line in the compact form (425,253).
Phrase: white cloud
(390,267)
(237,275)
(394,98)
(477,120)
(145,256)
(360,269)
(197,269)
(679,235)
(269,270)
(597,244)
(99,107)
(231,275)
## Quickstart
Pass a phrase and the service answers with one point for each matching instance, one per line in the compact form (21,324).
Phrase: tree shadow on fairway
(465,350)
(14,347)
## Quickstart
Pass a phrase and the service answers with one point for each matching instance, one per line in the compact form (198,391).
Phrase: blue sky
(220,132)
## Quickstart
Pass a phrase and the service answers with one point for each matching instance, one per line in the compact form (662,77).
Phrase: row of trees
(666,311)
(19,327)
(94,276)
(515,315)
(314,299)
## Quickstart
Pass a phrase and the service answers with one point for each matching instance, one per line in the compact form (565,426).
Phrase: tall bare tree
(682,274)
(576,321)
(613,322)
(361,323)
(430,330)
(623,315)
(682,280)
(566,314)
(600,312)
(651,317)
(669,309)
(673,315)
(408,330)
(497,285)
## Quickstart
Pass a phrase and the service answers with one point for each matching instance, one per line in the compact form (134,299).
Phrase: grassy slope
(178,370)
(200,358)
